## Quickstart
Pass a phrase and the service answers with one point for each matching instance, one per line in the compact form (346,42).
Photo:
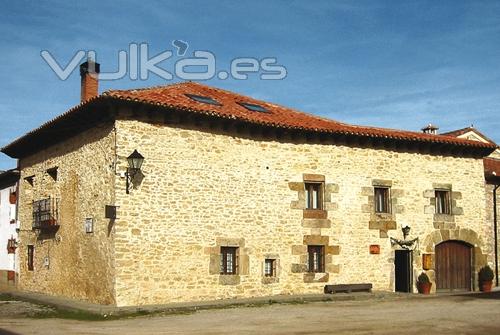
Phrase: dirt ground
(468,314)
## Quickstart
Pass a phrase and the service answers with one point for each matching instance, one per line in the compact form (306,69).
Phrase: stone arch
(466,235)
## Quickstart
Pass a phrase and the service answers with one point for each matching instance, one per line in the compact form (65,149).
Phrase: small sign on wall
(426,261)
(374,249)
(89,225)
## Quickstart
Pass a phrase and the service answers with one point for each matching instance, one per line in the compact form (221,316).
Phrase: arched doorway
(453,266)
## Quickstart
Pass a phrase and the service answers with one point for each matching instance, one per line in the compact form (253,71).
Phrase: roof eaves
(7,149)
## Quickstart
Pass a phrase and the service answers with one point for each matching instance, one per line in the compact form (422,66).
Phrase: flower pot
(48,222)
(424,288)
(485,286)
(12,198)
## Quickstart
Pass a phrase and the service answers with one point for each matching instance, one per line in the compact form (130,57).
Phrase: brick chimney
(89,71)
(430,129)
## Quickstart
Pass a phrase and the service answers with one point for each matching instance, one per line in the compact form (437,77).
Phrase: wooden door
(453,266)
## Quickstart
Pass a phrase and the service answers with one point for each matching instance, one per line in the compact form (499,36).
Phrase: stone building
(237,197)
(8,225)
(492,177)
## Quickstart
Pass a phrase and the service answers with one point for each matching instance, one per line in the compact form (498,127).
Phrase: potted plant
(424,284)
(485,278)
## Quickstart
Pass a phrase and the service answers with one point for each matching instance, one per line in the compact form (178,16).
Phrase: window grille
(45,213)
(314,195)
(228,260)
(316,255)
(443,202)
(382,200)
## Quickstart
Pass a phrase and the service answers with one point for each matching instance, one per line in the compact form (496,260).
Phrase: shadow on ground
(7,332)
(481,295)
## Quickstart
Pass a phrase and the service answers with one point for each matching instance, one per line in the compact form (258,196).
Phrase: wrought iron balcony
(45,215)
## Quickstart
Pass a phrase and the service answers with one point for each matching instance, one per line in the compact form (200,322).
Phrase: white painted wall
(7,229)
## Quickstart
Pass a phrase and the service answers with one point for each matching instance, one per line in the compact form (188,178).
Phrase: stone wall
(200,190)
(70,262)
(489,214)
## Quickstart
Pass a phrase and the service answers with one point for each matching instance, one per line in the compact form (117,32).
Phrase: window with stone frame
(270,267)
(443,201)
(228,260)
(316,258)
(382,197)
(314,195)
(31,250)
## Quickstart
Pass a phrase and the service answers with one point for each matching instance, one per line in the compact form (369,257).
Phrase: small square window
(314,195)
(316,258)
(228,260)
(270,267)
(31,250)
(443,202)
(382,200)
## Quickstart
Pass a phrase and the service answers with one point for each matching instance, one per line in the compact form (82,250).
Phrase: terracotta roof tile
(174,96)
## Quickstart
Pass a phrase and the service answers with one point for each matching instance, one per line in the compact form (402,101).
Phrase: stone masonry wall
(490,216)
(71,262)
(201,190)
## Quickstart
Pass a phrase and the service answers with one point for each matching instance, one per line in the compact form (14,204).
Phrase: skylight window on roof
(254,107)
(202,99)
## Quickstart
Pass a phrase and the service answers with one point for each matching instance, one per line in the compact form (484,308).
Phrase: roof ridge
(458,130)
(107,92)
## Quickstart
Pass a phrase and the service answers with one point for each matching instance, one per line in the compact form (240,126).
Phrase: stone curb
(75,305)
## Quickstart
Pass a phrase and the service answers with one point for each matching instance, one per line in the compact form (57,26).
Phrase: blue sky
(396,64)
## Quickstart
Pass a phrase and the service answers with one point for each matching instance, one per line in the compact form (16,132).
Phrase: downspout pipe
(495,227)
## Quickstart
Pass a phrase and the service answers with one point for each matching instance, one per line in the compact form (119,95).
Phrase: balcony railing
(45,215)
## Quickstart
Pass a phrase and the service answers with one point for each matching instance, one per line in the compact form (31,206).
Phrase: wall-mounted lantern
(134,161)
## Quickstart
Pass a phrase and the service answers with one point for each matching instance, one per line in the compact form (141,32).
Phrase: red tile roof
(458,132)
(174,96)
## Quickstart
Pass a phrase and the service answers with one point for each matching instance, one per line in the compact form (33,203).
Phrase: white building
(9,266)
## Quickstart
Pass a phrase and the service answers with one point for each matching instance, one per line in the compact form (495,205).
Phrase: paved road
(471,314)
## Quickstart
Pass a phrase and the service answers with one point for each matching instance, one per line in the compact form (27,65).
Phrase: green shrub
(423,278)
(485,274)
